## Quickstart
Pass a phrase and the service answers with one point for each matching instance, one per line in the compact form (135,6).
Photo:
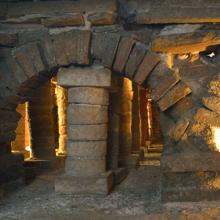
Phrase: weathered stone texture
(87,132)
(102,18)
(8,39)
(85,167)
(29,58)
(87,148)
(151,12)
(179,129)
(77,45)
(100,185)
(212,103)
(88,95)
(55,7)
(3,10)
(135,59)
(87,114)
(58,40)
(71,46)
(147,65)
(104,47)
(92,77)
(174,95)
(185,39)
(165,84)
(64,20)
(123,52)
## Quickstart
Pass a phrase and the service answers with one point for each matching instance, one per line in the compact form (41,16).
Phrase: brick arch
(34,62)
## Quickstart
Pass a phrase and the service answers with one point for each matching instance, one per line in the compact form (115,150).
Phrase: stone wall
(173,61)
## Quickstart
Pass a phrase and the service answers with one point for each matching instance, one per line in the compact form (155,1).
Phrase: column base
(119,175)
(130,162)
(190,177)
(100,185)
(139,154)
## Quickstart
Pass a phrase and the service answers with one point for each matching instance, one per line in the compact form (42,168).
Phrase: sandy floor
(136,198)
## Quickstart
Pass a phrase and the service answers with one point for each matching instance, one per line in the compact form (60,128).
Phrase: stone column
(136,123)
(125,158)
(61,95)
(87,118)
(42,122)
(119,173)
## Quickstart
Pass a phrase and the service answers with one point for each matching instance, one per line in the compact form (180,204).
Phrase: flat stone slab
(87,114)
(84,166)
(168,11)
(100,185)
(76,76)
(186,38)
(54,7)
(87,132)
(88,95)
(174,95)
(87,148)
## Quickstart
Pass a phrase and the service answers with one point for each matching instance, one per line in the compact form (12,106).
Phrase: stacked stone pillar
(87,119)
(125,157)
(61,95)
(136,123)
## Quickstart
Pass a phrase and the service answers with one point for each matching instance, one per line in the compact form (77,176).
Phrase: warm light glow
(29,149)
(217,138)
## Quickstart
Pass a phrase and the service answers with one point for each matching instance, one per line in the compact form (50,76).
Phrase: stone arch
(34,62)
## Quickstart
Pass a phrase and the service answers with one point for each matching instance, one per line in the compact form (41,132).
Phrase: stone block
(179,129)
(18,72)
(8,39)
(17,9)
(104,47)
(87,132)
(165,84)
(100,185)
(48,53)
(11,167)
(135,58)
(88,95)
(85,166)
(147,65)
(77,45)
(102,18)
(174,95)
(3,10)
(212,103)
(124,48)
(181,107)
(95,76)
(180,39)
(83,114)
(119,175)
(64,20)
(29,58)
(171,12)
(58,42)
(87,148)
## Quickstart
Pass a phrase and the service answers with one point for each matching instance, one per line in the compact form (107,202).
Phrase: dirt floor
(137,198)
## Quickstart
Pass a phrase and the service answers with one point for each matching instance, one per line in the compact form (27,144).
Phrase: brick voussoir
(104,47)
(150,61)
(136,56)
(24,57)
(166,83)
(77,46)
(124,49)
(178,92)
